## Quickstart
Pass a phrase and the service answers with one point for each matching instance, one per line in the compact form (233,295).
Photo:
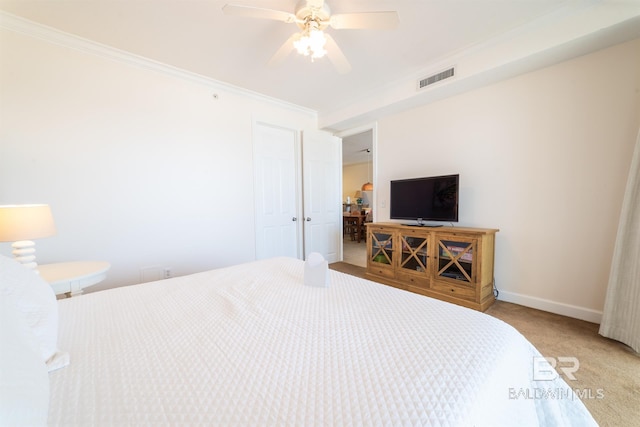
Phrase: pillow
(35,300)
(24,381)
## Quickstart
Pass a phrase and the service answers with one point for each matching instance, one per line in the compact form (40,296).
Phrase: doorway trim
(373,127)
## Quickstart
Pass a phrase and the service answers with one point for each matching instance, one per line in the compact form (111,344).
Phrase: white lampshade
(25,222)
(22,223)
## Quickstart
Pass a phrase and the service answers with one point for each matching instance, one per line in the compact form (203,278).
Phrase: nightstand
(71,278)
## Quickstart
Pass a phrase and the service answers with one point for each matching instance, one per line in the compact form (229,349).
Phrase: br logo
(544,368)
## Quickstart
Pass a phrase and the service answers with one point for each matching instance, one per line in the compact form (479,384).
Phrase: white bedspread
(251,345)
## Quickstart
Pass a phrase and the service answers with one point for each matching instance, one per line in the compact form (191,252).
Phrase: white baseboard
(568,310)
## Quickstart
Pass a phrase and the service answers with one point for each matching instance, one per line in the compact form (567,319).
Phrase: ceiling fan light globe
(318,54)
(311,43)
(317,40)
(302,45)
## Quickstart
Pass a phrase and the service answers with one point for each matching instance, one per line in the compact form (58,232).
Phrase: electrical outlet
(167,273)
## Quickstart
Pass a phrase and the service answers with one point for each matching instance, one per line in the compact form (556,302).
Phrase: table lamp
(20,224)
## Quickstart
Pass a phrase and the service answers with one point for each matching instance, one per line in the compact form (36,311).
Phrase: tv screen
(425,199)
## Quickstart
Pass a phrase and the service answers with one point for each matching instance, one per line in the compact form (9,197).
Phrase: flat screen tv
(425,199)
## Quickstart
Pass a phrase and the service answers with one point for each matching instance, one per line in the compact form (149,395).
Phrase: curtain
(621,316)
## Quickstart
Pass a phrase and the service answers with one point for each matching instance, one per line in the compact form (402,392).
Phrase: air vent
(435,78)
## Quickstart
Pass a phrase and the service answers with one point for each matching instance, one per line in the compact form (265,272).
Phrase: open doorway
(357,193)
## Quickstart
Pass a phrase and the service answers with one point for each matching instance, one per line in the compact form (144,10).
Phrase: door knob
(294,219)
(308,218)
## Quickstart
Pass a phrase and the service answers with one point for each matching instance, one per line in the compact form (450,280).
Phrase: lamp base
(24,251)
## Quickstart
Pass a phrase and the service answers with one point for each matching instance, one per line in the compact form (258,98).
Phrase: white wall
(543,157)
(353,176)
(140,168)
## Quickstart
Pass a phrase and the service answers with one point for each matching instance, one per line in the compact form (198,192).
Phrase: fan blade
(283,51)
(365,20)
(336,56)
(258,12)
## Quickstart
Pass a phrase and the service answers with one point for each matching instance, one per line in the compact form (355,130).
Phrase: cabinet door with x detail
(457,259)
(414,257)
(415,254)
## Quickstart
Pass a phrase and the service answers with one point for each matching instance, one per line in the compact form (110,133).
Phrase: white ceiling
(357,148)
(196,36)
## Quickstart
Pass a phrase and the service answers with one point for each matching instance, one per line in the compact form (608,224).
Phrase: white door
(276,178)
(322,194)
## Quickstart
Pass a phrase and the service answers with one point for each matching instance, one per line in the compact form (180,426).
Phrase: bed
(251,345)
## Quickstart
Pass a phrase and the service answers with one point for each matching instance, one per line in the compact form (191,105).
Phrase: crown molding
(51,35)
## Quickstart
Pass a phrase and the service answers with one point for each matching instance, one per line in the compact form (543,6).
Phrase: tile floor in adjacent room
(354,253)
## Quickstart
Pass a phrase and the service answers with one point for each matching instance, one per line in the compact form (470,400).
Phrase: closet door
(322,194)
(276,190)
(298,195)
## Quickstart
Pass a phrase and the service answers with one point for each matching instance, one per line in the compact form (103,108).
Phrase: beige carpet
(608,378)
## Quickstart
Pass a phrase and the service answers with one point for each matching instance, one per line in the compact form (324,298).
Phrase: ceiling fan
(313,17)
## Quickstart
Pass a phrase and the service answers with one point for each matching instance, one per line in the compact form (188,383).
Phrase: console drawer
(458,291)
(413,279)
(381,271)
